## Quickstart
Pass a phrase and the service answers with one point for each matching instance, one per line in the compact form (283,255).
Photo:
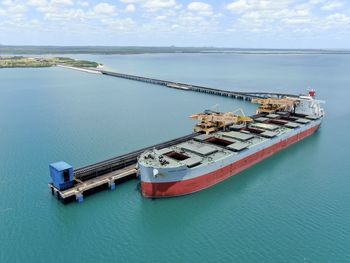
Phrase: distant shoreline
(44,62)
(133,50)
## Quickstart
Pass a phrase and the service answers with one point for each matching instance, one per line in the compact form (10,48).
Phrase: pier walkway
(188,87)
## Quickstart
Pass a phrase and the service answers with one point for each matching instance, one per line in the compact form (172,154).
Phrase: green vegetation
(31,62)
(75,63)
(23,62)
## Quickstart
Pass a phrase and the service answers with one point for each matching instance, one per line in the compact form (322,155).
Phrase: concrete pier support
(112,185)
(79,197)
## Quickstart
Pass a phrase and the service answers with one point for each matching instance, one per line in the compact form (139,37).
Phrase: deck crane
(270,105)
(212,121)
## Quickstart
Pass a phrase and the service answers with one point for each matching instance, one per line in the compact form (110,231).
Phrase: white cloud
(201,8)
(124,25)
(68,15)
(104,9)
(338,19)
(297,21)
(130,8)
(316,2)
(13,10)
(131,1)
(61,2)
(83,3)
(37,3)
(161,17)
(65,14)
(49,6)
(332,5)
(155,5)
(239,6)
(269,15)
(7,2)
(196,18)
(17,9)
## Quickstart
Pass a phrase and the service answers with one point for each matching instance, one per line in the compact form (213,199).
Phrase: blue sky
(231,23)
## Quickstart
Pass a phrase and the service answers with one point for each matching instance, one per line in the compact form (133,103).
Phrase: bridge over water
(189,87)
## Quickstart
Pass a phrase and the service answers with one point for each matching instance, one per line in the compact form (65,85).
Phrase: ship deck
(205,149)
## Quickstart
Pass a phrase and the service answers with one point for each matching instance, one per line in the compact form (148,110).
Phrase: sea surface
(292,207)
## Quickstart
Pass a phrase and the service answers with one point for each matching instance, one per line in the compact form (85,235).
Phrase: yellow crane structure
(211,121)
(270,105)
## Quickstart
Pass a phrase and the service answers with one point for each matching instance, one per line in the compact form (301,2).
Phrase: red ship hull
(178,188)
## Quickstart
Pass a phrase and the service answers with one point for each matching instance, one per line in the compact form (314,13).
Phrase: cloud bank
(239,23)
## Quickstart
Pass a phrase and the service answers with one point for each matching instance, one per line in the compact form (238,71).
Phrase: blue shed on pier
(62,175)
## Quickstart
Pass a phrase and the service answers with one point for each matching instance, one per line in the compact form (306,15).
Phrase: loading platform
(106,174)
(93,185)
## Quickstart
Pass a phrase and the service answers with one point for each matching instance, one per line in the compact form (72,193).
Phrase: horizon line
(174,46)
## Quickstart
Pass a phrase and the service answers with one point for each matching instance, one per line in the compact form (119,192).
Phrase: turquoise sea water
(293,207)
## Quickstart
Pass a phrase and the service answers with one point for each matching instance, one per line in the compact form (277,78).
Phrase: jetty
(241,95)
(87,70)
(196,88)
(70,184)
(84,181)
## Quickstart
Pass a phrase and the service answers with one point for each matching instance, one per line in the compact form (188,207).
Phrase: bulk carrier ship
(228,144)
